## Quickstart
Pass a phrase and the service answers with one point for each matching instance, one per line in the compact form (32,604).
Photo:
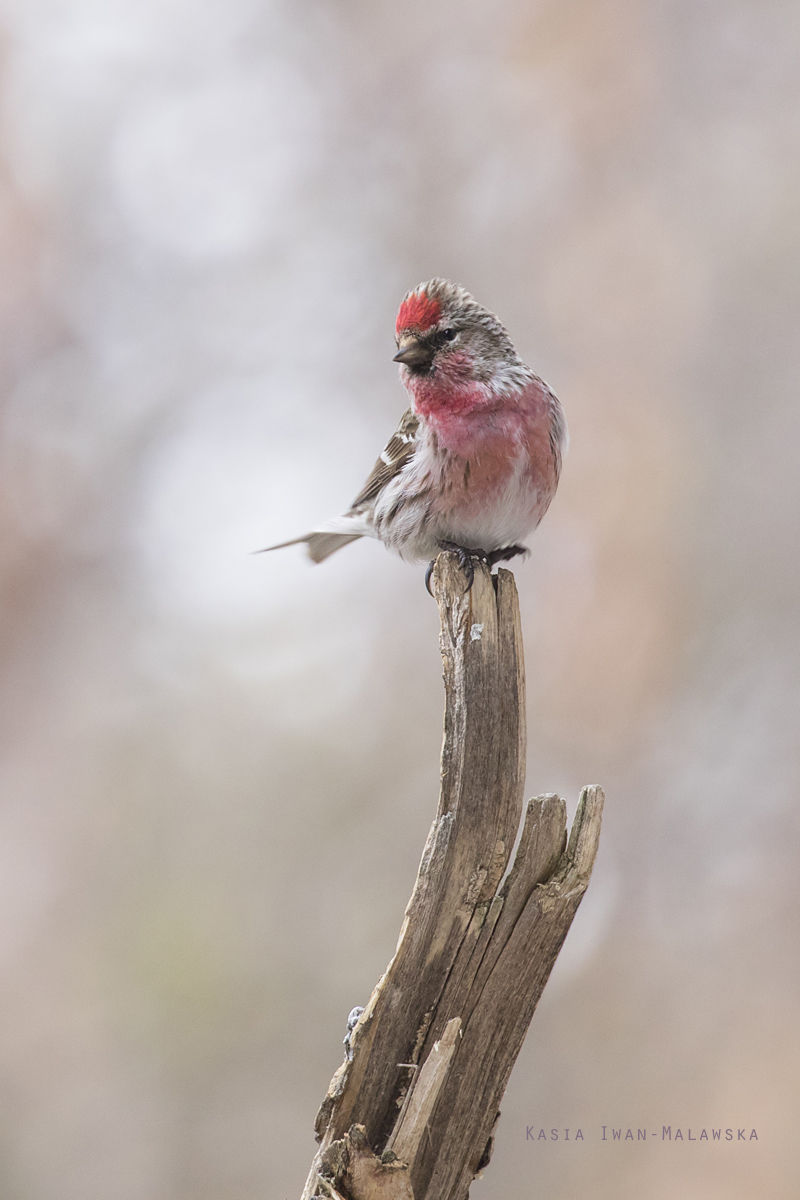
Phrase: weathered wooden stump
(411,1115)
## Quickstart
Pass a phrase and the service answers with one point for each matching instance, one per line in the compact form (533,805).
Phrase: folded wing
(355,523)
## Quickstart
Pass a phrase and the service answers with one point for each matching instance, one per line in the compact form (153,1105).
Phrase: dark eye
(448,334)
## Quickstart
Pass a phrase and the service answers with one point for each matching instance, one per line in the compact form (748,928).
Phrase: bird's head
(443,332)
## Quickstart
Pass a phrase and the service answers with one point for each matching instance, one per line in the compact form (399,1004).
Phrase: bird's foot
(508,552)
(465,557)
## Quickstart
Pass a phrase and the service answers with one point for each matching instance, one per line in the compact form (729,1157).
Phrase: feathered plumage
(475,460)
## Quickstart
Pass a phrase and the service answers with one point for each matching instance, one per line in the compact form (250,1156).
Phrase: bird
(475,461)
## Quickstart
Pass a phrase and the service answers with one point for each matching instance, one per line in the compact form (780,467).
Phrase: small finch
(475,460)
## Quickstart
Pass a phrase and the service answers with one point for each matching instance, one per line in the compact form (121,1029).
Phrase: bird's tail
(320,543)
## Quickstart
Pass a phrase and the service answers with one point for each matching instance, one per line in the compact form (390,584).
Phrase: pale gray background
(219,770)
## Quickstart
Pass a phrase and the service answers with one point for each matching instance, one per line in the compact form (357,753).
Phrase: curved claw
(465,556)
(428,574)
(465,563)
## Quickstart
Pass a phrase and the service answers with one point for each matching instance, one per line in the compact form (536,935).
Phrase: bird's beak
(414,353)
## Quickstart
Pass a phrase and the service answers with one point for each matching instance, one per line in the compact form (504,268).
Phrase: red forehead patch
(418,312)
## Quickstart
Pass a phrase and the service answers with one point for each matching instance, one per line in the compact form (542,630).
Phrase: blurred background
(219,770)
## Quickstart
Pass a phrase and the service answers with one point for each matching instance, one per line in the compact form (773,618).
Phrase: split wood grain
(475,950)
